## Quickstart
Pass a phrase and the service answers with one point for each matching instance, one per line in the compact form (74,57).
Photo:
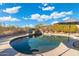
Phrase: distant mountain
(76,21)
(71,20)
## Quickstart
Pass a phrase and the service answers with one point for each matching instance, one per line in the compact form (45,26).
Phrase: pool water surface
(33,45)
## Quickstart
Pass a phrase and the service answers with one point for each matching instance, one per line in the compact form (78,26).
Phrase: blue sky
(30,14)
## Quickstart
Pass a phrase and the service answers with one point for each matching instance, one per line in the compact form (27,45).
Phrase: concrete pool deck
(61,50)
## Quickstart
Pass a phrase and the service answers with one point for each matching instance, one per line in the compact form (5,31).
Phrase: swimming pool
(36,45)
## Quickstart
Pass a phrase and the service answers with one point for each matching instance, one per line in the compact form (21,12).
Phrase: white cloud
(69,13)
(46,17)
(48,8)
(39,17)
(56,15)
(44,4)
(55,22)
(8,18)
(66,18)
(12,10)
(35,16)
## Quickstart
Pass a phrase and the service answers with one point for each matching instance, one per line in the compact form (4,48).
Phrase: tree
(66,28)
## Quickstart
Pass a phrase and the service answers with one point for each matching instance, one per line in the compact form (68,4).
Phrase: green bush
(64,28)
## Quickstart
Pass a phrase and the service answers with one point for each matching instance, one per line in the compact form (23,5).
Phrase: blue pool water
(33,45)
